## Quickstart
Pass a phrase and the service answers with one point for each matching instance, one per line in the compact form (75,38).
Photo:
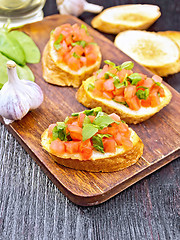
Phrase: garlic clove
(17,96)
(76,8)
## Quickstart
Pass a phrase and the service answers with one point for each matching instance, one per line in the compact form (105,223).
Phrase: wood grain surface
(160,134)
(32,207)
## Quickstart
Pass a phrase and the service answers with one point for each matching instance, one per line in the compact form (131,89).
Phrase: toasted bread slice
(109,106)
(125,17)
(99,162)
(58,73)
(158,53)
(174,35)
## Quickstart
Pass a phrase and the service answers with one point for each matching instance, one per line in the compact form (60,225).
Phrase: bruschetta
(93,141)
(70,56)
(117,89)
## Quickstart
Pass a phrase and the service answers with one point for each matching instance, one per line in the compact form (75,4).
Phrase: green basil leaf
(90,87)
(106,76)
(135,78)
(57,44)
(142,87)
(110,63)
(81,43)
(124,103)
(127,65)
(86,121)
(93,111)
(59,131)
(97,143)
(75,55)
(92,43)
(103,121)
(66,119)
(158,83)
(84,27)
(75,114)
(89,130)
(52,31)
(142,94)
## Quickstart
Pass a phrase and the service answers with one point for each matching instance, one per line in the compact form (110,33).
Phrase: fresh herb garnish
(88,131)
(134,78)
(59,131)
(84,27)
(52,31)
(92,43)
(124,103)
(110,63)
(157,83)
(142,94)
(119,84)
(75,114)
(86,121)
(81,43)
(90,87)
(103,120)
(57,44)
(75,55)
(98,143)
(93,111)
(127,65)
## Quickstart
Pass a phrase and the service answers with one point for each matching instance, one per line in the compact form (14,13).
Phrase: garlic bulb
(17,96)
(77,7)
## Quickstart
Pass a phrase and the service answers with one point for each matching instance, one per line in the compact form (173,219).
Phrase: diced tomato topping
(119,99)
(129,91)
(134,103)
(162,92)
(109,145)
(99,84)
(97,93)
(75,132)
(86,149)
(155,101)
(74,63)
(157,78)
(122,74)
(109,85)
(107,95)
(118,139)
(126,143)
(72,146)
(115,117)
(81,119)
(146,103)
(148,83)
(57,146)
(104,70)
(91,59)
(50,129)
(71,44)
(118,92)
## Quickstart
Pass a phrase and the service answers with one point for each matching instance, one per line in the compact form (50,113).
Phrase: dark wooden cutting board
(160,134)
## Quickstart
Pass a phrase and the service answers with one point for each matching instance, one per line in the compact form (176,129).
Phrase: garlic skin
(17,96)
(77,7)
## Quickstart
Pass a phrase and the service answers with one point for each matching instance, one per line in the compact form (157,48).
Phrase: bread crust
(110,164)
(116,27)
(54,74)
(129,116)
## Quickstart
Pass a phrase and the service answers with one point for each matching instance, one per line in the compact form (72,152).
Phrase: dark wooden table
(31,207)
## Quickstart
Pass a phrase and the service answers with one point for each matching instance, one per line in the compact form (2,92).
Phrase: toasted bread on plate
(133,96)
(125,17)
(158,53)
(105,143)
(70,56)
